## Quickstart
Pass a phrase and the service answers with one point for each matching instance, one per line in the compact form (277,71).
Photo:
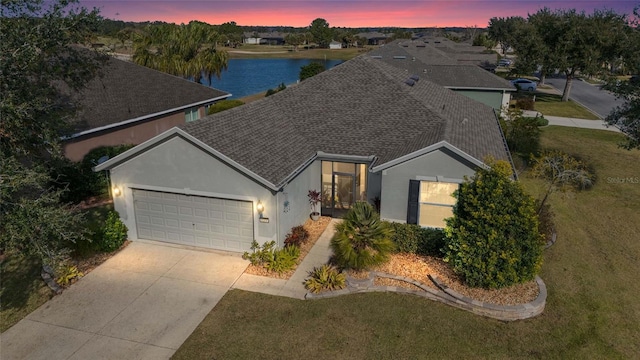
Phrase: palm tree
(182,50)
(362,240)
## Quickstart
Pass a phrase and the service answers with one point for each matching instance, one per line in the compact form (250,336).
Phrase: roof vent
(376,56)
(410,82)
(421,45)
(414,77)
(400,57)
(437,42)
(404,45)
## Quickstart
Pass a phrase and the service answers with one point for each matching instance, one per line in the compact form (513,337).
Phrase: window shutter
(412,206)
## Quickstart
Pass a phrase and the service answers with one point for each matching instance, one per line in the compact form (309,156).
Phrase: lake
(245,77)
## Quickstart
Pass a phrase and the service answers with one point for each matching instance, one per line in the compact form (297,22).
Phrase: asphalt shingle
(362,107)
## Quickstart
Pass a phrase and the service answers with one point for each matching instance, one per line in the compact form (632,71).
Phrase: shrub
(224,105)
(525,103)
(522,133)
(67,274)
(298,236)
(325,278)
(362,240)
(493,239)
(283,259)
(431,242)
(259,255)
(405,237)
(114,233)
(310,70)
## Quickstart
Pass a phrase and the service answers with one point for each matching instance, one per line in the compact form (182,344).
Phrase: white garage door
(194,220)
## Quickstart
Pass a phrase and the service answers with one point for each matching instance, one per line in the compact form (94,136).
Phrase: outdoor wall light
(117,191)
(260,208)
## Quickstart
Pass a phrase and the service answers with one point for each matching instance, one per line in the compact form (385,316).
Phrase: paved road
(598,101)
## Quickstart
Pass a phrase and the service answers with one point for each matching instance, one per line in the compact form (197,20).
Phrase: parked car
(505,62)
(524,84)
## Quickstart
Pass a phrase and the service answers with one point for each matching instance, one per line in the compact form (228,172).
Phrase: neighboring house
(335,45)
(266,38)
(361,131)
(373,37)
(416,57)
(129,104)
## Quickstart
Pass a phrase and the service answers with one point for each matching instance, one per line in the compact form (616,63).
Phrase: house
(373,37)
(264,38)
(335,45)
(418,57)
(361,131)
(129,104)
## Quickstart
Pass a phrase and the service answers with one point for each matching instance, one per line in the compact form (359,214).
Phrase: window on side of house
(430,202)
(192,114)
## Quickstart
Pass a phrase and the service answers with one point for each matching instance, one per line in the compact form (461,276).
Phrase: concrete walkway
(294,287)
(571,122)
(142,303)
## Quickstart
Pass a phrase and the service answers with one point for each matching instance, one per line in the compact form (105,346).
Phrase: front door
(344,188)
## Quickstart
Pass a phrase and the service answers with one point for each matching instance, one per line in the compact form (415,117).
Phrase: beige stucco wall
(135,134)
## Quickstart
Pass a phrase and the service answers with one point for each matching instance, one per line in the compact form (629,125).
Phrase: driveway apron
(142,303)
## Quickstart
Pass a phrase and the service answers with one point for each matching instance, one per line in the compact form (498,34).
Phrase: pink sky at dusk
(347,13)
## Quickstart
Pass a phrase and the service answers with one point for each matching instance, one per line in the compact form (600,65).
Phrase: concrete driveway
(141,304)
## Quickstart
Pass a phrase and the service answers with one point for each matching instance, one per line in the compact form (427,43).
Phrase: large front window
(342,185)
(435,203)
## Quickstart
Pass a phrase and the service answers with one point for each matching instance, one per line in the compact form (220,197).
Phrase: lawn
(551,104)
(591,275)
(22,289)
(286,52)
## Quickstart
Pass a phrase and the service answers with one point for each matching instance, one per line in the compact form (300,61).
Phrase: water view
(251,76)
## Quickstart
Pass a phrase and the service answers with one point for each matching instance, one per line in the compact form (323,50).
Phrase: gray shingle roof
(437,66)
(362,107)
(127,91)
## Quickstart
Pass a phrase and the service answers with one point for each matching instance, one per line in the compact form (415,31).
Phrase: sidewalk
(294,287)
(571,122)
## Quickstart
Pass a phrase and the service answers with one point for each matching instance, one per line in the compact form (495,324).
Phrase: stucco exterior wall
(135,134)
(178,166)
(296,193)
(395,180)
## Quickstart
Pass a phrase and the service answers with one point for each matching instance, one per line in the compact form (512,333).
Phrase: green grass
(551,105)
(287,52)
(22,290)
(591,275)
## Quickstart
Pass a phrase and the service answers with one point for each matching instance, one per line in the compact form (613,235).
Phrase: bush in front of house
(277,260)
(522,133)
(325,278)
(431,242)
(362,240)
(298,236)
(493,239)
(114,233)
(414,239)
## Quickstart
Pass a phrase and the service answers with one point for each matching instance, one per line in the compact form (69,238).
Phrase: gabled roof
(360,108)
(126,92)
(434,65)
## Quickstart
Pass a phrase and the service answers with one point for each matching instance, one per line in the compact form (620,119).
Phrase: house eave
(426,150)
(125,156)
(476,88)
(145,117)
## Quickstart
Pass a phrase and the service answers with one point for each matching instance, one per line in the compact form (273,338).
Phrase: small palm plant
(362,240)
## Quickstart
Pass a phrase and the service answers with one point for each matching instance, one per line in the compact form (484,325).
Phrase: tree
(182,50)
(483,39)
(321,32)
(310,70)
(232,32)
(224,105)
(502,30)
(522,133)
(626,117)
(493,239)
(562,172)
(362,240)
(294,40)
(40,63)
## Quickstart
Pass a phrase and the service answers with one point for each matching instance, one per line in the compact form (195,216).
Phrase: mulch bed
(315,229)
(417,267)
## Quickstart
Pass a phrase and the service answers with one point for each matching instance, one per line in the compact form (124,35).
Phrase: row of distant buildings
(278,38)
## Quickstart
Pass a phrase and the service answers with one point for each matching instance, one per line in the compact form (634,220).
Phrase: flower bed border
(445,295)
